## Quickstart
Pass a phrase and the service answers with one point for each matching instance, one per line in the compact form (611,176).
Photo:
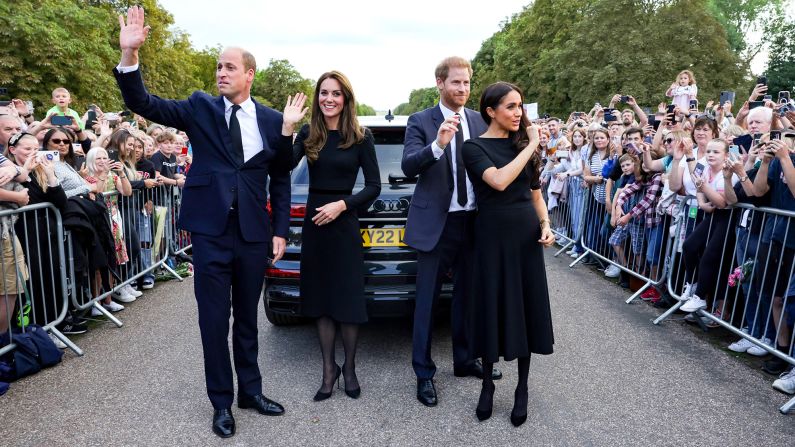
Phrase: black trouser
(710,249)
(454,251)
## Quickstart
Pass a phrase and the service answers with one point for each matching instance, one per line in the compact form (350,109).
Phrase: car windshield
(388,150)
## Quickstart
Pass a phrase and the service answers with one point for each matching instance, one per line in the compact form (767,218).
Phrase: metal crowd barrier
(637,248)
(146,215)
(33,281)
(749,268)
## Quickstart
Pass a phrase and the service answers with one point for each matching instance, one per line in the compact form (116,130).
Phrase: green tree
(364,110)
(279,80)
(741,18)
(419,99)
(74,44)
(781,62)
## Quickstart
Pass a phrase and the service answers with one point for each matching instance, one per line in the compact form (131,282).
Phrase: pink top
(682,95)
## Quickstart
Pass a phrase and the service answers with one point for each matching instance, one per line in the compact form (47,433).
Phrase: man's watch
(440,146)
(689,159)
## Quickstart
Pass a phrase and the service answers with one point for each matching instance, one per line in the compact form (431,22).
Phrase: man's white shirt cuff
(437,151)
(128,69)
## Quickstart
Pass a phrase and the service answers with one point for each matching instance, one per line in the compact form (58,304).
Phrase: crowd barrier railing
(750,294)
(753,279)
(639,248)
(146,216)
(33,279)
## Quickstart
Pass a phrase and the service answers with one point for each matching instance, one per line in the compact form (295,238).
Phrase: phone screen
(699,169)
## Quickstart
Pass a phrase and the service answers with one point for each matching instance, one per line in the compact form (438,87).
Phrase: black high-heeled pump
(485,403)
(320,395)
(519,419)
(353,393)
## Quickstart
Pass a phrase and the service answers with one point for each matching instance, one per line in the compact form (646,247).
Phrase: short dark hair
(633,130)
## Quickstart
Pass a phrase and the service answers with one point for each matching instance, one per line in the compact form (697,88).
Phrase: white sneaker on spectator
(122,296)
(612,271)
(131,291)
(57,341)
(757,351)
(786,382)
(114,306)
(693,304)
(575,255)
(148,284)
(688,292)
(96,312)
(741,345)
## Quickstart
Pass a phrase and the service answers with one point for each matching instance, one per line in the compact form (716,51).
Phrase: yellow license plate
(382,237)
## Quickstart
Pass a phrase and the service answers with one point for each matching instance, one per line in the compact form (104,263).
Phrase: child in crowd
(62,99)
(630,169)
(683,90)
(165,161)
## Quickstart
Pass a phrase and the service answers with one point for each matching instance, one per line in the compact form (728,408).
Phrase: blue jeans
(576,201)
(654,236)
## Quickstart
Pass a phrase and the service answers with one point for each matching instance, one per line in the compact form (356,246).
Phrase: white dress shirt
(249,130)
(246,116)
(438,151)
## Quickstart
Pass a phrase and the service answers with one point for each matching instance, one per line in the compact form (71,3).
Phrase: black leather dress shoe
(475,369)
(262,404)
(223,423)
(426,392)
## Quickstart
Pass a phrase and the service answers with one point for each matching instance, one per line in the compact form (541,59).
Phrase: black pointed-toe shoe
(262,404)
(223,423)
(426,392)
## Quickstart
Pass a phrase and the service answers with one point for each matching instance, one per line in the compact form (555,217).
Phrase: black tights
(327,333)
(520,395)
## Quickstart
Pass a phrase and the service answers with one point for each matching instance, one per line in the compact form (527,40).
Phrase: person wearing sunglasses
(60,139)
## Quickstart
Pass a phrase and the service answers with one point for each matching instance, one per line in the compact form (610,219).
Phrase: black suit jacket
(431,200)
(215,178)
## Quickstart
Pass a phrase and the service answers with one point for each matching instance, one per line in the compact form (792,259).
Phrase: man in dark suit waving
(441,217)
(237,145)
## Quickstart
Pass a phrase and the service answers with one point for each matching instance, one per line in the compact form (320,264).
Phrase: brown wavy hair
(608,149)
(350,130)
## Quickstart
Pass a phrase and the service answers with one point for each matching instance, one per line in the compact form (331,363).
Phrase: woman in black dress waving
(332,265)
(510,315)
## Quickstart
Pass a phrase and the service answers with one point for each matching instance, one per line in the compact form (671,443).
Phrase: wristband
(689,159)
(544,221)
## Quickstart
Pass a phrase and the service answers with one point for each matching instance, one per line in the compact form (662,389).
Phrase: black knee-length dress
(332,264)
(510,315)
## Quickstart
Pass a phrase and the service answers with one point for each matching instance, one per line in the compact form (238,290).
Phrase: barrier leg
(582,256)
(170,270)
(669,312)
(568,244)
(69,344)
(108,315)
(787,406)
(639,292)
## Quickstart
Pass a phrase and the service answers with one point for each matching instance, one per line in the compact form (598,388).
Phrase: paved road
(615,379)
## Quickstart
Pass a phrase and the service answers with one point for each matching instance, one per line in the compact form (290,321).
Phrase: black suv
(390,266)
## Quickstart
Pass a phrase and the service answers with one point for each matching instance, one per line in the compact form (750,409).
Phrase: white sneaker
(114,306)
(688,292)
(757,351)
(693,304)
(57,341)
(131,291)
(575,255)
(612,271)
(96,312)
(786,382)
(741,345)
(122,296)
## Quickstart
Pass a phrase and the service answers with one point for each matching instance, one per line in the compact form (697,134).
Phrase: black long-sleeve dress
(332,263)
(510,315)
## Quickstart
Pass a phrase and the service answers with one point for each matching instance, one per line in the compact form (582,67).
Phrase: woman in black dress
(510,315)
(332,264)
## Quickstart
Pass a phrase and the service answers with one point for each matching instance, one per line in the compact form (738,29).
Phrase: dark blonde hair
(38,171)
(690,74)
(443,69)
(350,130)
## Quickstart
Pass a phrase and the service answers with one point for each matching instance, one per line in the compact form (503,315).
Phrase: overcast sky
(386,47)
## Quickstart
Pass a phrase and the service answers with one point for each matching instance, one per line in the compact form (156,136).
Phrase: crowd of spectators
(622,183)
(629,183)
(107,174)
